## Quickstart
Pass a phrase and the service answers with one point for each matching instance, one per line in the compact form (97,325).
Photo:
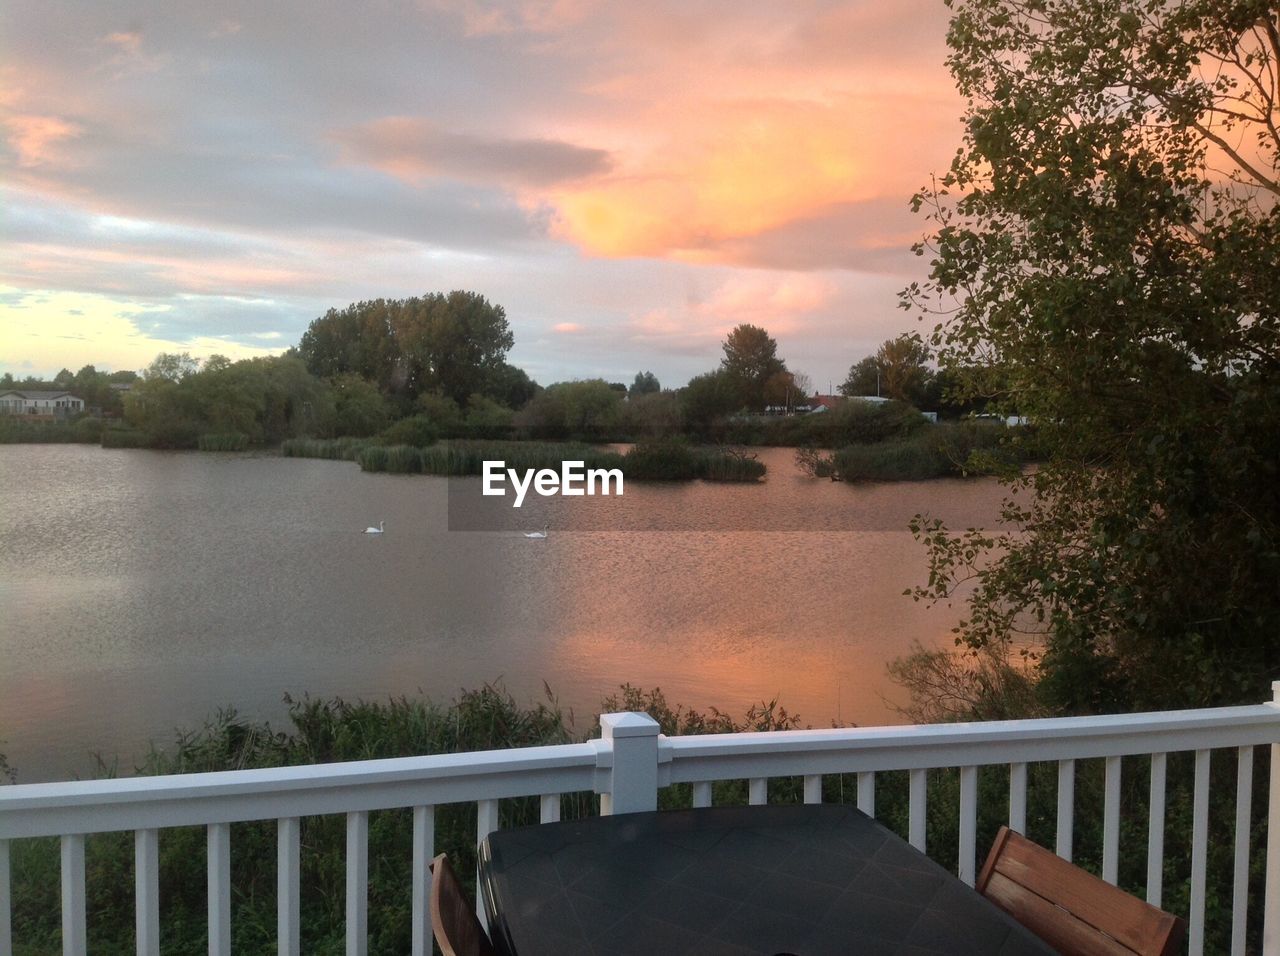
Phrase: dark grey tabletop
(807,880)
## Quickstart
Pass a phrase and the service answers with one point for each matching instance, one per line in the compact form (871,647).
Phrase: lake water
(141,591)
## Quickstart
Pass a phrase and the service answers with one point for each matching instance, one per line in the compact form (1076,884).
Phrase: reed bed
(125,438)
(946,450)
(334,449)
(223,441)
(16,430)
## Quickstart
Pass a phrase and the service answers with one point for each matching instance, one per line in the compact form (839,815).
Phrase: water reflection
(141,591)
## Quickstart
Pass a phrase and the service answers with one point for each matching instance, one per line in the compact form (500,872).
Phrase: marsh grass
(125,438)
(962,449)
(336,449)
(224,441)
(16,430)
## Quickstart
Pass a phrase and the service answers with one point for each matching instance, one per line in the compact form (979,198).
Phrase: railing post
(634,785)
(1271,903)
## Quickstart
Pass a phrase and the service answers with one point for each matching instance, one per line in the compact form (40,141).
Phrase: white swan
(377,530)
(538,534)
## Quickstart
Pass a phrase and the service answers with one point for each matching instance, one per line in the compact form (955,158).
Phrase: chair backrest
(1070,909)
(453,919)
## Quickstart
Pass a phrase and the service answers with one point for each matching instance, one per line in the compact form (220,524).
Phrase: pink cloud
(36,138)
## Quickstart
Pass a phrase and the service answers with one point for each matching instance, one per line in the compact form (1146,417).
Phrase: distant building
(40,404)
(826,403)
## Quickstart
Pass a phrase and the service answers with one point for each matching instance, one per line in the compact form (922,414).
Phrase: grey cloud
(873,236)
(421,148)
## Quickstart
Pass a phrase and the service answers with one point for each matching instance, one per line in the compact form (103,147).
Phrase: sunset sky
(628,180)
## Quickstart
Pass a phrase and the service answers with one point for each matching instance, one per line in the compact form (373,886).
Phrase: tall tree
(1106,246)
(455,344)
(898,370)
(645,384)
(750,359)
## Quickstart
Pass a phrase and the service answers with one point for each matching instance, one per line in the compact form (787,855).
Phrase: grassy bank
(16,430)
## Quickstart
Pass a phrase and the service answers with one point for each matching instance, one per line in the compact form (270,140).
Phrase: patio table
(764,880)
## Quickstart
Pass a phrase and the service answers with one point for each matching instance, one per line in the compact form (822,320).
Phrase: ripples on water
(141,591)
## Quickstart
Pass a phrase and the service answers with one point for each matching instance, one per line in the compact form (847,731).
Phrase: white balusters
(1018,797)
(813,788)
(919,795)
(424,849)
(867,792)
(968,823)
(702,793)
(1066,807)
(1155,831)
(358,883)
(74,940)
(1240,876)
(218,840)
(549,810)
(146,870)
(758,791)
(288,886)
(1199,854)
(1111,822)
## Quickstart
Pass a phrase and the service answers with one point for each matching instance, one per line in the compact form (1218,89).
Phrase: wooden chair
(1070,909)
(453,919)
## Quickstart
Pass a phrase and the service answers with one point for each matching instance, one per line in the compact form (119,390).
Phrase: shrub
(341,449)
(416,430)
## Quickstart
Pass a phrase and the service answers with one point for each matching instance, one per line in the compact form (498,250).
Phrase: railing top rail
(232,795)
(722,756)
(929,735)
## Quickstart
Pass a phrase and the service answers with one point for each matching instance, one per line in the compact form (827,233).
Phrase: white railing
(627,767)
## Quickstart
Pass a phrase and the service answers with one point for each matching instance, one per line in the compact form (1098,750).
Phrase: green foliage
(359,408)
(852,422)
(15,430)
(417,430)
(396,459)
(581,411)
(1106,258)
(964,449)
(897,370)
(652,415)
(646,383)
(226,441)
(341,449)
(125,438)
(750,362)
(455,344)
(708,399)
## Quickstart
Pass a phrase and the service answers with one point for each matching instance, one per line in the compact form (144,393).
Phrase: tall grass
(340,449)
(16,430)
(125,438)
(225,441)
(949,449)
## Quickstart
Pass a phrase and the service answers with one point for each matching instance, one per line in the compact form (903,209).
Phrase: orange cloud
(730,172)
(35,138)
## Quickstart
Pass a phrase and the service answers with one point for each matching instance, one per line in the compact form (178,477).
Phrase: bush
(850,423)
(416,430)
(960,449)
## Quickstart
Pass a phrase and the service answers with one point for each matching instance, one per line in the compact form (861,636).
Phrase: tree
(897,370)
(708,398)
(1106,255)
(455,344)
(646,383)
(171,367)
(750,358)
